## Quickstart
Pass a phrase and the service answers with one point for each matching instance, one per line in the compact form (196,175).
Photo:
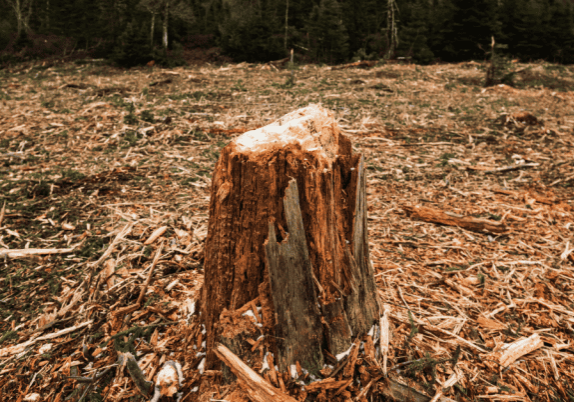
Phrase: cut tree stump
(286,255)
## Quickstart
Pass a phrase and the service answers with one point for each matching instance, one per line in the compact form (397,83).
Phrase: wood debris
(356,64)
(447,218)
(97,166)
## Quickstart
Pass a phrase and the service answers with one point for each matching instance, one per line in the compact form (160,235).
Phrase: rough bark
(287,235)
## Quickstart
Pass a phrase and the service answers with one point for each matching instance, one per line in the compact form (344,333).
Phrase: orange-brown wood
(250,208)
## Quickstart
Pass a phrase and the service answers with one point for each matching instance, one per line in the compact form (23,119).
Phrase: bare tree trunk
(47,14)
(392,28)
(22,12)
(19,21)
(286,23)
(287,243)
(27,16)
(165,20)
(152,29)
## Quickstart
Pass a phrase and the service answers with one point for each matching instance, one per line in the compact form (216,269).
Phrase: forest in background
(132,32)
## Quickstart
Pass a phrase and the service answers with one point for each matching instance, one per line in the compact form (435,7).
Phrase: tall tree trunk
(22,12)
(17,6)
(165,20)
(286,23)
(152,29)
(392,28)
(287,241)
(27,16)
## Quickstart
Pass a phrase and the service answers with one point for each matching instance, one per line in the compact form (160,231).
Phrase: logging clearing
(251,233)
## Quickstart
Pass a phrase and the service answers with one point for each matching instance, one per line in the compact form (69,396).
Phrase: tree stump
(287,263)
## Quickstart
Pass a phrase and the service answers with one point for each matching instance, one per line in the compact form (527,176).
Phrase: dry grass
(85,151)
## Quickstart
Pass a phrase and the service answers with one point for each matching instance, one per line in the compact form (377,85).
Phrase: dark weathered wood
(144,386)
(298,318)
(403,393)
(361,304)
(338,334)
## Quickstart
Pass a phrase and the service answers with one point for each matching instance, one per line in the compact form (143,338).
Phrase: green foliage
(328,38)
(239,86)
(427,365)
(327,31)
(131,118)
(415,31)
(91,247)
(250,31)
(169,58)
(467,31)
(133,47)
(130,139)
(7,336)
(147,115)
(500,69)
(288,84)
(72,175)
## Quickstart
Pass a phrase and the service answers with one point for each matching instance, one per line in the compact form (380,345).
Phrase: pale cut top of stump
(313,127)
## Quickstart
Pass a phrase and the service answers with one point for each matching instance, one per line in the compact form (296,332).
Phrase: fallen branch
(16,253)
(511,352)
(385,335)
(445,218)
(357,64)
(453,379)
(124,232)
(281,62)
(12,350)
(2,213)
(148,280)
(502,169)
(144,386)
(256,387)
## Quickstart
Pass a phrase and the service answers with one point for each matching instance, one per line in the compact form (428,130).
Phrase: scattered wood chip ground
(104,184)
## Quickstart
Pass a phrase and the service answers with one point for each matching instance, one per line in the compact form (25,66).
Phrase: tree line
(133,32)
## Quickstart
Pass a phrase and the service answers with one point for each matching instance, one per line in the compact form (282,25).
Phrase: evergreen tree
(468,31)
(530,41)
(320,30)
(250,31)
(328,38)
(133,47)
(414,32)
(364,20)
(560,32)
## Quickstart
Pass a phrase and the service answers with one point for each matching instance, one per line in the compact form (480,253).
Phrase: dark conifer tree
(530,40)
(467,34)
(249,31)
(328,38)
(415,31)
